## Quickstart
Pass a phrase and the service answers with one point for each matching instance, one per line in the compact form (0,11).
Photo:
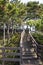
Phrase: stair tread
(28,57)
(28,52)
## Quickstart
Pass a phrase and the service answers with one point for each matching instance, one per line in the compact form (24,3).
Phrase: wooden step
(26,64)
(29,57)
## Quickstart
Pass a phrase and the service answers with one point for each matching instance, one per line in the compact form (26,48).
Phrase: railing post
(3,56)
(3,62)
(36,49)
(20,56)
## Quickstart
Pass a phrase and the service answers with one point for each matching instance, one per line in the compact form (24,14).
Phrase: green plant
(38,37)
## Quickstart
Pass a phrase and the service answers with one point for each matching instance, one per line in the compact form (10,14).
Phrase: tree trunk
(8,33)
(12,27)
(4,34)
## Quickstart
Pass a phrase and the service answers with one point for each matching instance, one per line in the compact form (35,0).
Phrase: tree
(2,14)
(33,10)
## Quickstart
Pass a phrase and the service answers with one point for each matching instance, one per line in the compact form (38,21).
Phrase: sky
(25,1)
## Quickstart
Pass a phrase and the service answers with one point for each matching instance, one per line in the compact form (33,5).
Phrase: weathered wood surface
(4,54)
(29,47)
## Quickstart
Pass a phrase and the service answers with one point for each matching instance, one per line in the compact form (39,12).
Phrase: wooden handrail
(33,39)
(9,48)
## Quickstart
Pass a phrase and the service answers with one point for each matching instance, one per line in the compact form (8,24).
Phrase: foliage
(38,37)
(31,23)
(16,12)
(34,10)
(14,41)
(37,23)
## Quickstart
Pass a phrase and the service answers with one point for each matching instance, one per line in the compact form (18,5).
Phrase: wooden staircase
(29,51)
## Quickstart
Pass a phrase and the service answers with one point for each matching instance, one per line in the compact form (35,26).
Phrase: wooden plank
(11,59)
(9,48)
(11,53)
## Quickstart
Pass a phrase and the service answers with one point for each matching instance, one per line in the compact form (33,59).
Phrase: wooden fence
(5,52)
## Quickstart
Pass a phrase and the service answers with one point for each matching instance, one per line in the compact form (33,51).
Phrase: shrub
(38,37)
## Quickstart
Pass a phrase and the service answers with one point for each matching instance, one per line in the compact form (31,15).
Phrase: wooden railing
(14,52)
(40,51)
(33,40)
(39,48)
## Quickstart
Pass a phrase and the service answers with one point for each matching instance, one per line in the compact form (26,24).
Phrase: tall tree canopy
(34,10)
